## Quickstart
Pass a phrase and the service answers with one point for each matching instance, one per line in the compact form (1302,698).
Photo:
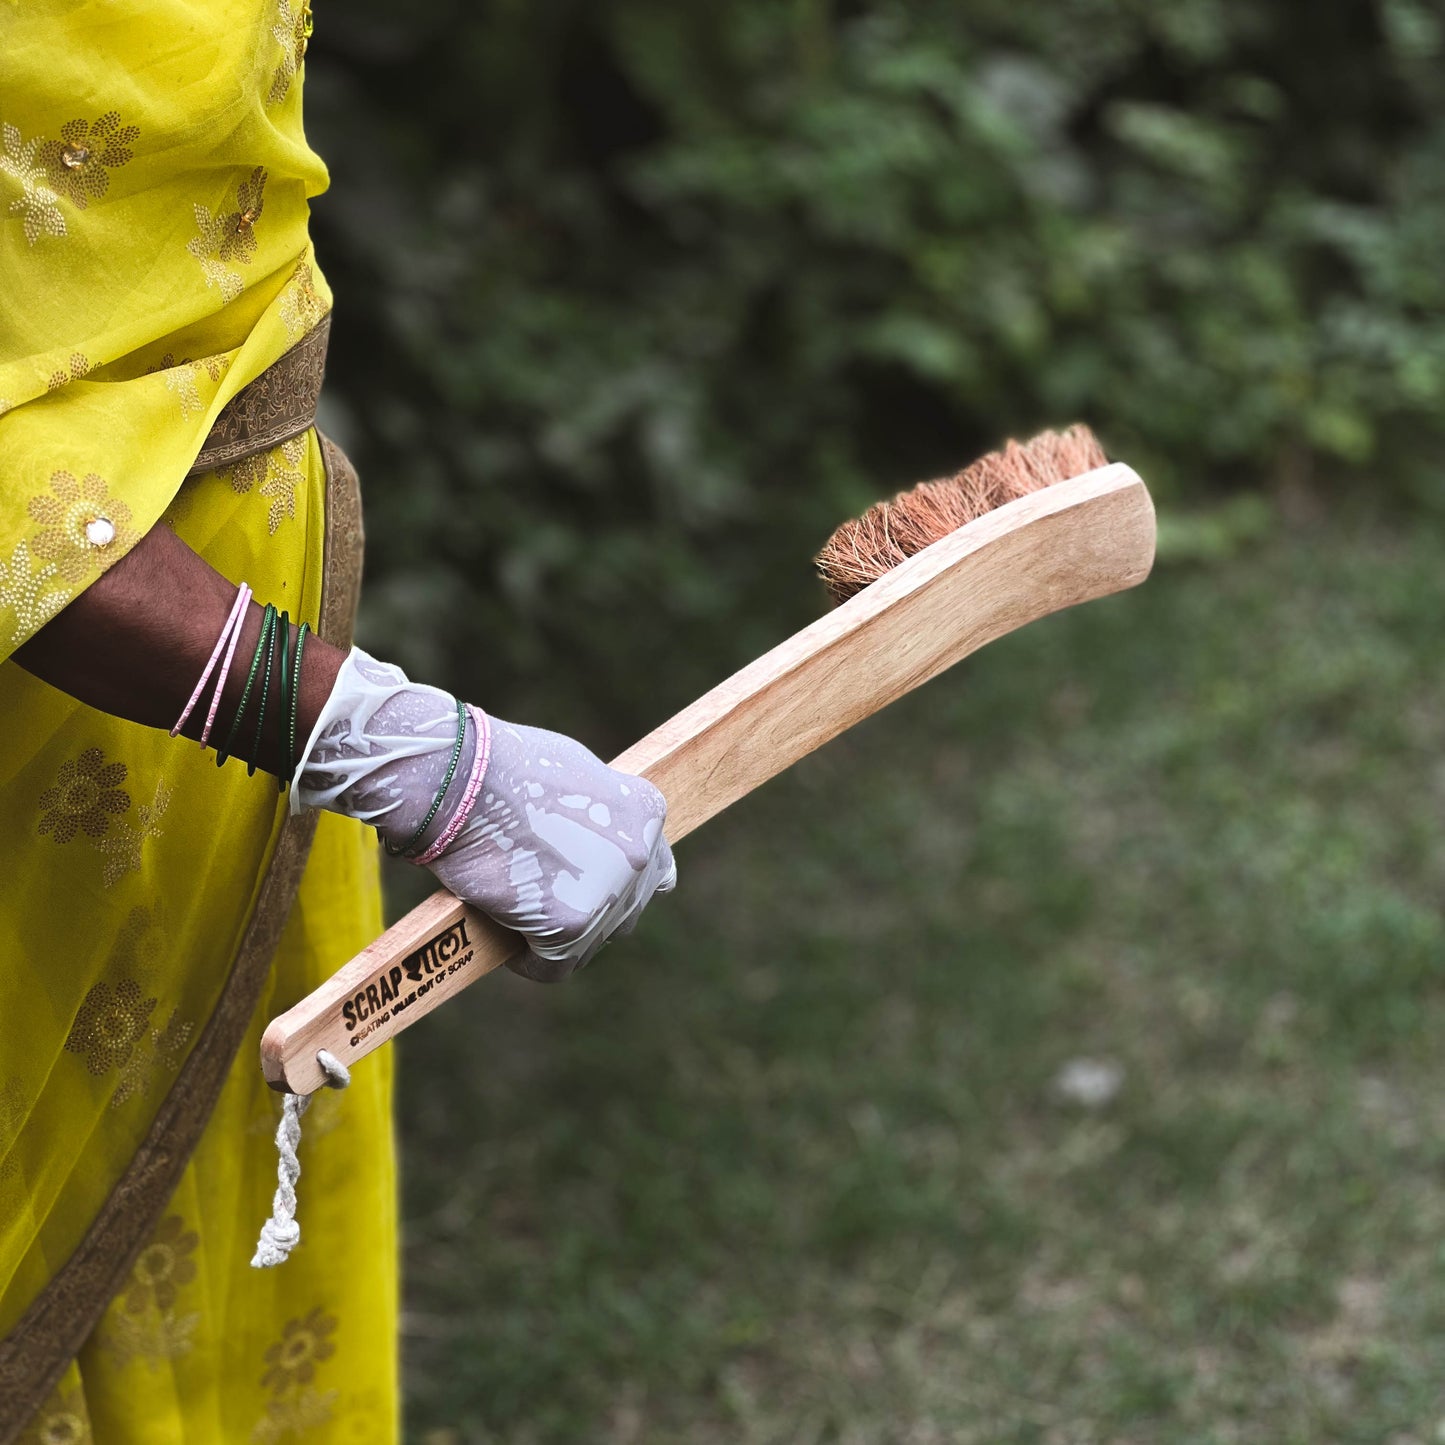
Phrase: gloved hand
(557,846)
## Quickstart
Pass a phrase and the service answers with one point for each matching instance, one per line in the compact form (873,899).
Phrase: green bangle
(442,792)
(285,701)
(255,753)
(224,751)
(292,761)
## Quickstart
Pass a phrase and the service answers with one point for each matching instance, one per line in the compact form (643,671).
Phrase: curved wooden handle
(1069,543)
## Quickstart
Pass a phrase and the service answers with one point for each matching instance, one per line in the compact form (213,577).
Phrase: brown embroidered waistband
(278,405)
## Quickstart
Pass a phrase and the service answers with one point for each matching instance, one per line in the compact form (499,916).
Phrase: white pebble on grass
(1090,1083)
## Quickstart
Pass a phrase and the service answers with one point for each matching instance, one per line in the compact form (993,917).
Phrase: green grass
(790,1166)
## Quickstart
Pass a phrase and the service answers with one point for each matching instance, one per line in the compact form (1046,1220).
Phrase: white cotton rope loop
(280,1234)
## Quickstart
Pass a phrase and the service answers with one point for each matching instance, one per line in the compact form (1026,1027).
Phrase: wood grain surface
(1071,542)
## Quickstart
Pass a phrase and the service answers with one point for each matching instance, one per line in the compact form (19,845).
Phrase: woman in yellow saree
(154,181)
(161,347)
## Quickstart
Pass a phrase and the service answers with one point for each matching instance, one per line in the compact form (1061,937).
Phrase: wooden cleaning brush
(923,581)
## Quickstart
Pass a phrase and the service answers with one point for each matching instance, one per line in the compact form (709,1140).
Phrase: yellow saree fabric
(154,186)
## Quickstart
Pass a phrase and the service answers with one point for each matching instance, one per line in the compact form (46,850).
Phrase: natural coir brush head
(862,550)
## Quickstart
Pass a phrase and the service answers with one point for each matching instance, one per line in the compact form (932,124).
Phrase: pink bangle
(480,758)
(238,607)
(239,628)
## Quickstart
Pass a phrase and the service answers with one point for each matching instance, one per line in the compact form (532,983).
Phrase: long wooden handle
(1070,542)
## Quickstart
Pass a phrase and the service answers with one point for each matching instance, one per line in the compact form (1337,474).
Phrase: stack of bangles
(271,657)
(480,757)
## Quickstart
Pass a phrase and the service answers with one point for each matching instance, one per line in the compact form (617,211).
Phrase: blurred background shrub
(638,299)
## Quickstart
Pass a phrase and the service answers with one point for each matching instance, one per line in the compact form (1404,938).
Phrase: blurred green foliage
(637,300)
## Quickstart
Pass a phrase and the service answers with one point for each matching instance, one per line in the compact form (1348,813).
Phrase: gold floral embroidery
(161,1059)
(182,380)
(78,366)
(151,1337)
(279,473)
(282,479)
(70,516)
(291,31)
(228,237)
(295,1406)
(228,283)
(123,847)
(142,1322)
(244,475)
(295,1417)
(108,1024)
(78,165)
(62,1421)
(305,1341)
(156,1052)
(181,377)
(24,161)
(85,794)
(163,1266)
(301,305)
(29,592)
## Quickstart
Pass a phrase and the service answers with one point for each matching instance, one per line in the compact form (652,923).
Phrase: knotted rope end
(281,1233)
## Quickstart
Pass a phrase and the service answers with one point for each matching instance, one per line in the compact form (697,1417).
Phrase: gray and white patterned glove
(558,846)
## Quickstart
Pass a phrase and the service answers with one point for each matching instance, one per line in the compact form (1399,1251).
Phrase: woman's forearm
(135,641)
